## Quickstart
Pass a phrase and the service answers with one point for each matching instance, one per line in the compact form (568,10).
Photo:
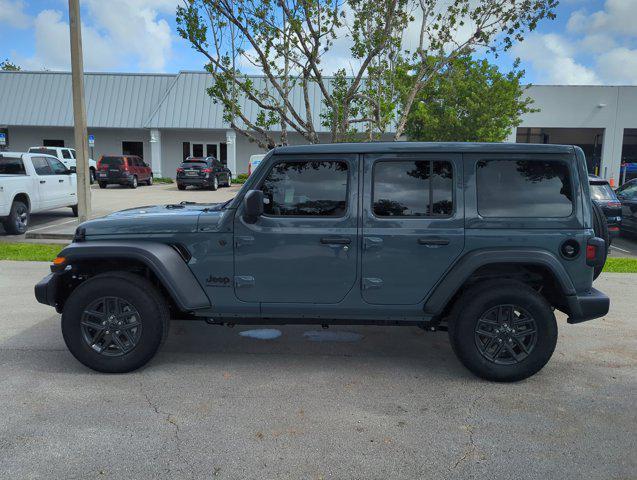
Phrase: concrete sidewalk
(345,403)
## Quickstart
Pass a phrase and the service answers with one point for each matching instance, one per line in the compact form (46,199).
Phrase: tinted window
(317,188)
(628,191)
(11,166)
(46,151)
(41,166)
(113,161)
(66,154)
(602,192)
(413,189)
(524,188)
(57,166)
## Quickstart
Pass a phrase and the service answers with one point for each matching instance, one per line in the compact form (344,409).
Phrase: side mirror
(253,205)
(73,169)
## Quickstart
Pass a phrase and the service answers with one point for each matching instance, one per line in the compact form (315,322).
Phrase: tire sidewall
(147,307)
(462,333)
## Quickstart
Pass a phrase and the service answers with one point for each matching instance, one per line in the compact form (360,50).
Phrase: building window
(420,188)
(197,150)
(185,150)
(211,150)
(223,153)
(133,148)
(317,188)
(52,143)
(524,188)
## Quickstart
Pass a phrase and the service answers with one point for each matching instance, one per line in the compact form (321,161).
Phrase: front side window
(628,191)
(420,188)
(524,188)
(314,188)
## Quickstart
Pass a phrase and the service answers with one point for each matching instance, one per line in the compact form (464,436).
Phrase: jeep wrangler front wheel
(115,322)
(503,331)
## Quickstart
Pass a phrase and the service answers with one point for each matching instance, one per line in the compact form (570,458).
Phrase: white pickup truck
(67,157)
(31,183)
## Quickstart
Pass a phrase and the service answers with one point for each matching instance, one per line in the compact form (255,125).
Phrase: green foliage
(29,251)
(472,101)
(6,65)
(240,179)
(163,180)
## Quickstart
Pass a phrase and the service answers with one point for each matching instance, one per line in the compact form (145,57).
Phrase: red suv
(128,170)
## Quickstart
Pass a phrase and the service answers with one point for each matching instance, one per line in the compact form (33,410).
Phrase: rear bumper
(587,306)
(201,182)
(46,290)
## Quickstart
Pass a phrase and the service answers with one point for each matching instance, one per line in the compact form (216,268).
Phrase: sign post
(79,113)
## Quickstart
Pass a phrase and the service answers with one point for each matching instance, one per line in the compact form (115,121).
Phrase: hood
(173,218)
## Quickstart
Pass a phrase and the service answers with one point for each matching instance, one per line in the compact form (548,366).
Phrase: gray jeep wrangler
(482,240)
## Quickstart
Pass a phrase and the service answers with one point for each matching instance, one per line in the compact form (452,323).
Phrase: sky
(590,42)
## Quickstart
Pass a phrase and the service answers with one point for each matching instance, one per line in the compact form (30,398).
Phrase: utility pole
(79,113)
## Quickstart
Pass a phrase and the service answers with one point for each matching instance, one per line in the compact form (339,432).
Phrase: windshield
(11,166)
(602,192)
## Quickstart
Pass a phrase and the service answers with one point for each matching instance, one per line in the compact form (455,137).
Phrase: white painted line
(620,249)
(52,225)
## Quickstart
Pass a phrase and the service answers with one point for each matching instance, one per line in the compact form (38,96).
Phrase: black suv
(203,172)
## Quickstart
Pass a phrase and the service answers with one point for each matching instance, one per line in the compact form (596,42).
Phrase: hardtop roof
(423,147)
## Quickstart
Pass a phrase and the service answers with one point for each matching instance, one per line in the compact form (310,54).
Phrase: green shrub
(241,178)
(163,180)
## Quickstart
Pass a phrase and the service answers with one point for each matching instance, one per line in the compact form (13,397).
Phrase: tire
(135,293)
(600,226)
(477,306)
(181,187)
(91,176)
(150,181)
(17,222)
(215,183)
(103,184)
(229,182)
(134,182)
(74,210)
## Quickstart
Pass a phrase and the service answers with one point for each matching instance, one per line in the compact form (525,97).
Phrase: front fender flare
(164,261)
(444,291)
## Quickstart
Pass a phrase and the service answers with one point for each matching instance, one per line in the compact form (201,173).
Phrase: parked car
(32,183)
(254,162)
(483,239)
(627,195)
(203,172)
(67,157)
(604,196)
(128,170)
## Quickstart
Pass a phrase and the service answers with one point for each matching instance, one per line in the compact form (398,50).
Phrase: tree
(471,102)
(8,66)
(288,42)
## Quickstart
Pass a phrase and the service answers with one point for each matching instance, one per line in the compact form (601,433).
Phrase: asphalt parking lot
(346,403)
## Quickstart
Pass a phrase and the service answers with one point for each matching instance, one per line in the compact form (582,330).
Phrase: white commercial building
(166,117)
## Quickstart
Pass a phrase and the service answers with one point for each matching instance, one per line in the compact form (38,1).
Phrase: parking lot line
(52,225)
(620,249)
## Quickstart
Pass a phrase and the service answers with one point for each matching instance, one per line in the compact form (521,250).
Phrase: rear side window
(112,161)
(66,154)
(420,188)
(602,192)
(315,188)
(524,188)
(41,166)
(11,166)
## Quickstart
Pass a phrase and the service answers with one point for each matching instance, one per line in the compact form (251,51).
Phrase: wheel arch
(22,197)
(531,266)
(164,264)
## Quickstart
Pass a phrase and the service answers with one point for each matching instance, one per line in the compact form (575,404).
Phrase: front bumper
(46,290)
(587,306)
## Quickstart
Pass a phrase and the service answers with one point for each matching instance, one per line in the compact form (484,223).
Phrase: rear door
(304,248)
(48,189)
(413,224)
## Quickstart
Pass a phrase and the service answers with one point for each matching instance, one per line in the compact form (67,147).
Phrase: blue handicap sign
(91,140)
(3,138)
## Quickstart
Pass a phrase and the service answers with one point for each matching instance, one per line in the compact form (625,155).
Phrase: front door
(61,185)
(304,248)
(413,224)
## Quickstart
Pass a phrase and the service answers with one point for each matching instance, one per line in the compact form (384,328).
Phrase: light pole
(79,113)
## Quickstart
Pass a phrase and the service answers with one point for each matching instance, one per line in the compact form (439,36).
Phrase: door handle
(42,181)
(61,180)
(336,241)
(433,241)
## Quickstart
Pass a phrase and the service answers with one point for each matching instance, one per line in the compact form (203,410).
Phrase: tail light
(180,170)
(595,252)
(614,204)
(124,167)
(591,253)
(102,167)
(207,170)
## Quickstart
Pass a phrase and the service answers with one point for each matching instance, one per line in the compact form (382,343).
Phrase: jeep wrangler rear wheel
(503,331)
(115,322)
